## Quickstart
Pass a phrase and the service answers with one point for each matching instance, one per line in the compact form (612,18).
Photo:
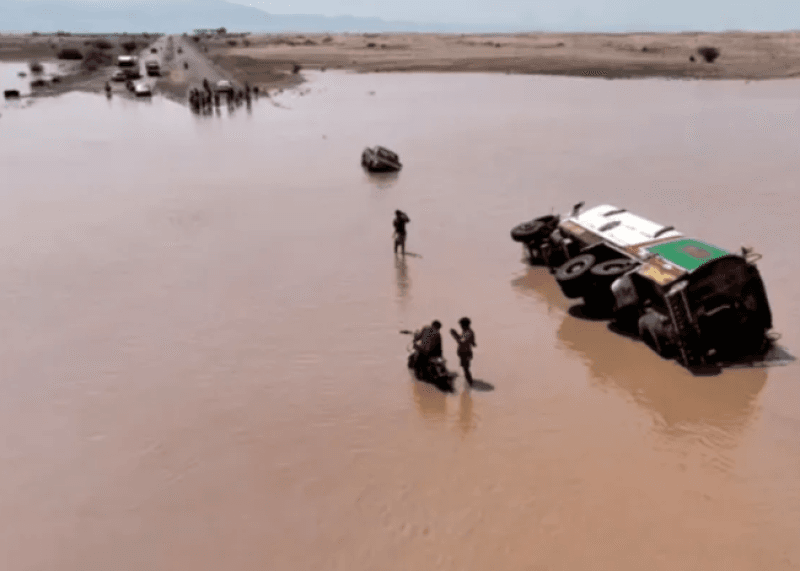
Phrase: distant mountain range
(177,16)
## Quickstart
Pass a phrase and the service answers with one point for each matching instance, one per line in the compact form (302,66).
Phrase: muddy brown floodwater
(201,364)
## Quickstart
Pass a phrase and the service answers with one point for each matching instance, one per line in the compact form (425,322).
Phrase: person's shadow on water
(481,386)
(465,422)
(430,400)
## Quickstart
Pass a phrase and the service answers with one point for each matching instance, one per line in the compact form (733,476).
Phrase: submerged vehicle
(380,159)
(435,372)
(685,298)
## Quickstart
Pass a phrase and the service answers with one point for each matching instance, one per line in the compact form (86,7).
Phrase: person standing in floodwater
(400,221)
(466,341)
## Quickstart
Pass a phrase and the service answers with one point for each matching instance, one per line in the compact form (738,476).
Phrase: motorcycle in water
(434,371)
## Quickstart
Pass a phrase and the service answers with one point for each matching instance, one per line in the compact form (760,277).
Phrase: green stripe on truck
(688,253)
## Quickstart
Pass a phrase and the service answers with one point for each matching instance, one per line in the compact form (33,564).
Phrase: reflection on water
(431,402)
(382,180)
(465,421)
(681,401)
(403,282)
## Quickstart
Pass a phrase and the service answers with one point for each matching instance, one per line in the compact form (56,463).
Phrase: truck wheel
(613,268)
(534,229)
(602,275)
(553,256)
(572,276)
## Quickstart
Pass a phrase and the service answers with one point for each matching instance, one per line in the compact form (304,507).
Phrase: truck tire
(536,229)
(602,276)
(573,276)
(613,268)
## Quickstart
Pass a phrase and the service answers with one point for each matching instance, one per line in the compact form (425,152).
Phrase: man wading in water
(466,341)
(400,221)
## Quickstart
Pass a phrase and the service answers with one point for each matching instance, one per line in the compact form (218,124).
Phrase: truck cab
(127,61)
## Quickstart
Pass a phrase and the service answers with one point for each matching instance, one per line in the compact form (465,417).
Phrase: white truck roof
(621,228)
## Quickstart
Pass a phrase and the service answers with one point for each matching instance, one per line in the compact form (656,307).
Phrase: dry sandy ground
(742,55)
(268,61)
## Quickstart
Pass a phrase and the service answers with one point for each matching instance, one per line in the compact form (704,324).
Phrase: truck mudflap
(687,335)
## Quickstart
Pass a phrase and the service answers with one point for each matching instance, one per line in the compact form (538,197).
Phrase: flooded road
(201,364)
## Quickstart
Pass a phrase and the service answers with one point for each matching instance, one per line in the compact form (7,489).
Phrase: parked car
(153,68)
(119,75)
(224,86)
(686,298)
(142,90)
(127,61)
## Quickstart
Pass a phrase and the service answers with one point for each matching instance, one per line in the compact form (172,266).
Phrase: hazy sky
(598,14)
(569,15)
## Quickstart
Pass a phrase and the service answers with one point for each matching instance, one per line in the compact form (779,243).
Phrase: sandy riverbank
(270,61)
(742,55)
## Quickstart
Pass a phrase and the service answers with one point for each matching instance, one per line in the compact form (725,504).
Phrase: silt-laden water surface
(201,364)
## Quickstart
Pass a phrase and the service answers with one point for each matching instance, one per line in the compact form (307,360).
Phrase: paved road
(176,80)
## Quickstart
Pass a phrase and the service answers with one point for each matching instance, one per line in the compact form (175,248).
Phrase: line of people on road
(203,100)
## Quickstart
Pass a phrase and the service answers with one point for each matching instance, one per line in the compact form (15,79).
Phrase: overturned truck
(684,297)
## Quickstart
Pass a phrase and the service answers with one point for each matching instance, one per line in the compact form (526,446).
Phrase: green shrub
(69,53)
(36,67)
(103,45)
(95,59)
(708,53)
